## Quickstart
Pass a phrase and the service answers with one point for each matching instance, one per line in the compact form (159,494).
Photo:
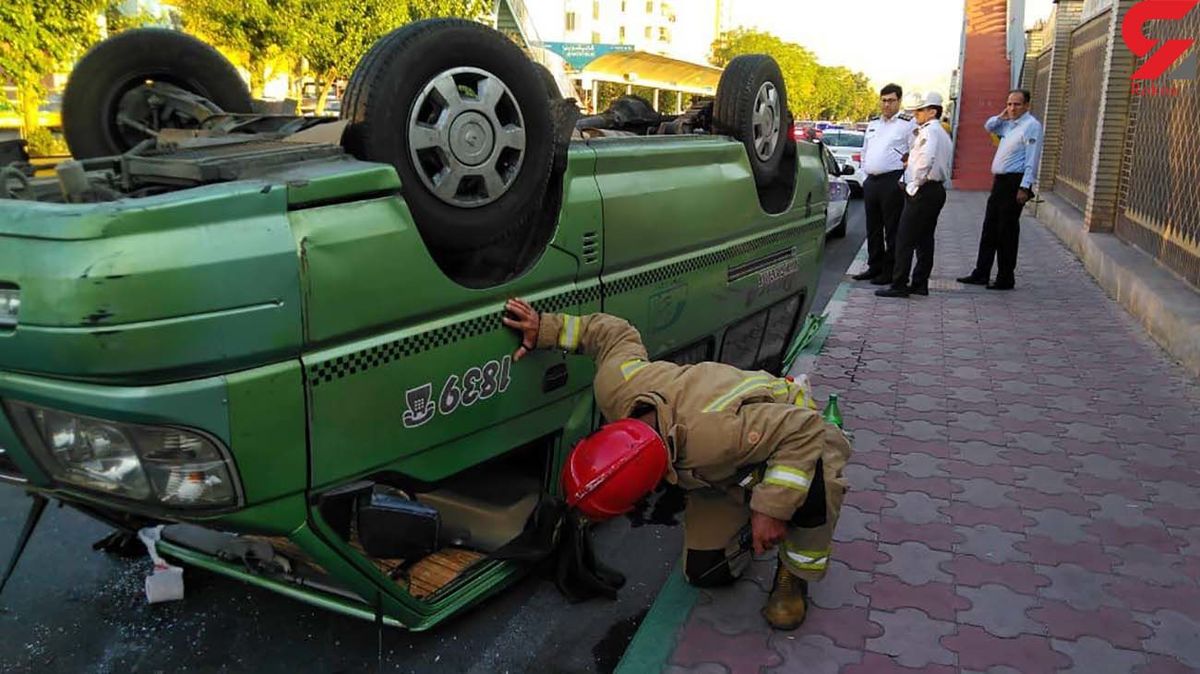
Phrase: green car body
(298,319)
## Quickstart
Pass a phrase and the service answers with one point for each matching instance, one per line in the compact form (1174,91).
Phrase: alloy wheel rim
(466,137)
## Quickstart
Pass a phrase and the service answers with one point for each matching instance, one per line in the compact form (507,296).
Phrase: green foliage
(38,38)
(116,20)
(815,91)
(338,32)
(43,143)
(331,35)
(259,31)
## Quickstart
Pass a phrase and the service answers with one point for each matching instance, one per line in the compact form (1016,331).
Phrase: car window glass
(844,139)
(831,164)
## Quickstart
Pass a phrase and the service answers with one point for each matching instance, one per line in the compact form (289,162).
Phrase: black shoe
(882,280)
(892,291)
(973,280)
(866,275)
(1007,285)
(922,290)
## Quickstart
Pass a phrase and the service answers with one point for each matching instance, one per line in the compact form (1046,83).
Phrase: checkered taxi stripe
(697,262)
(382,354)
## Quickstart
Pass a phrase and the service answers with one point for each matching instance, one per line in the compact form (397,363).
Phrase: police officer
(1014,169)
(925,194)
(888,140)
(745,446)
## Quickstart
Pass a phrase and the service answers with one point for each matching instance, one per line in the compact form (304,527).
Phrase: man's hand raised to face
(522,317)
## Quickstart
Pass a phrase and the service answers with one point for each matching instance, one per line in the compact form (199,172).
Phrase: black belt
(884,175)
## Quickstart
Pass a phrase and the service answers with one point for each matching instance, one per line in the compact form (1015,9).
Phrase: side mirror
(847,170)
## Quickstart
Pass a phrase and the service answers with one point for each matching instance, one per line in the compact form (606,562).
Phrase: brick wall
(985,84)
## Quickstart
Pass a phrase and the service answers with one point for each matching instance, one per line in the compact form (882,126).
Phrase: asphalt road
(69,609)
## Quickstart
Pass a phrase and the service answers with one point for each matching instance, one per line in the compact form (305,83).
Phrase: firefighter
(744,445)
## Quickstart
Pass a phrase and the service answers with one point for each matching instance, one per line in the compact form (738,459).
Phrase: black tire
(839,230)
(115,66)
(733,110)
(548,81)
(379,100)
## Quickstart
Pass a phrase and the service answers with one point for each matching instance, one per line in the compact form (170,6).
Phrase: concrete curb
(1166,306)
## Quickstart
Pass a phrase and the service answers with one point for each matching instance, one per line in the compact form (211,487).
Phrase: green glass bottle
(832,414)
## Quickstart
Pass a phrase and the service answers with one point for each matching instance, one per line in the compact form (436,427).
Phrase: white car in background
(839,195)
(847,145)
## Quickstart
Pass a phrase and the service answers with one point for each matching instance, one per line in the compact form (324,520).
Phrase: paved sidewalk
(1025,490)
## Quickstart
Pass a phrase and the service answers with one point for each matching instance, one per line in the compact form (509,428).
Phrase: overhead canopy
(652,70)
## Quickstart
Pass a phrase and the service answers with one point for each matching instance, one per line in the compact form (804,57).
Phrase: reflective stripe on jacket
(707,412)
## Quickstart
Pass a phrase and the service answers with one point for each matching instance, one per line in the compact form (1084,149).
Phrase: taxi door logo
(1133,32)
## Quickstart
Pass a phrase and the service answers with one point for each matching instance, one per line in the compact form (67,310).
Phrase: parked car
(847,147)
(839,195)
(283,345)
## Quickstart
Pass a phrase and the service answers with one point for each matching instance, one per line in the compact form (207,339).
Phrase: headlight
(158,464)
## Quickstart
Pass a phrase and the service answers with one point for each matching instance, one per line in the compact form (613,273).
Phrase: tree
(798,65)
(814,91)
(259,31)
(337,33)
(37,39)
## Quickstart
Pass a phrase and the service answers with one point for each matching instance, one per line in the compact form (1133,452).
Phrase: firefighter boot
(788,604)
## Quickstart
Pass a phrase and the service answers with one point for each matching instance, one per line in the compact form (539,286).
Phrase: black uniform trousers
(883,201)
(1001,230)
(917,225)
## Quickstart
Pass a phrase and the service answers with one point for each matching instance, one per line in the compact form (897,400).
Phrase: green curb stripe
(655,639)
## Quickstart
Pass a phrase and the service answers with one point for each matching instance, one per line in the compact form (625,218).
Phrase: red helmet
(609,470)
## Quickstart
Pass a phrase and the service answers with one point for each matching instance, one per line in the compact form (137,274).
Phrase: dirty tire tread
(734,104)
(371,95)
(139,53)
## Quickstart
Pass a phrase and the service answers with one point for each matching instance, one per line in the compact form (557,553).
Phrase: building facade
(680,29)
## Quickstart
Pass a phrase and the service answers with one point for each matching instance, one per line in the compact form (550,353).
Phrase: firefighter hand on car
(522,317)
(756,462)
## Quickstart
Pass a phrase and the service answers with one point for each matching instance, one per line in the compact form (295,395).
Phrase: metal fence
(1085,79)
(1153,170)
(1041,84)
(1159,200)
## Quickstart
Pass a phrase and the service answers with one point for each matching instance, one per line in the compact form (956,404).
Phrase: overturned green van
(273,334)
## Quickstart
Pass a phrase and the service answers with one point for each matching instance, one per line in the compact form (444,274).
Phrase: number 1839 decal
(476,384)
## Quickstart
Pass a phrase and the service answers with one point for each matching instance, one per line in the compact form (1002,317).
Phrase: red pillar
(984,88)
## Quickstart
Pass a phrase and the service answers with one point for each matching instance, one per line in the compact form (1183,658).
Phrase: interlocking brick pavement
(1025,487)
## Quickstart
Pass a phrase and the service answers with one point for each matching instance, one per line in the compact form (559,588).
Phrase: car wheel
(107,97)
(751,106)
(464,117)
(548,81)
(839,230)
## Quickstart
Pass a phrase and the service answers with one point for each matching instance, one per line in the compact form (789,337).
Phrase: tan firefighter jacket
(706,412)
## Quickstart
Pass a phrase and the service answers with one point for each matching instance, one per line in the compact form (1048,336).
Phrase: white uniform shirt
(886,141)
(1020,148)
(929,158)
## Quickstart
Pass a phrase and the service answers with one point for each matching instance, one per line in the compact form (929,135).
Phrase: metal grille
(1159,207)
(1085,79)
(1041,86)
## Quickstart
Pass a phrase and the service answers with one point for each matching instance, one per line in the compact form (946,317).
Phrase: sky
(878,37)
